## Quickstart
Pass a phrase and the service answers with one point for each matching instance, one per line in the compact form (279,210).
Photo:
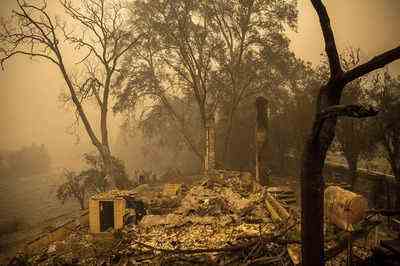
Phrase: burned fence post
(261,130)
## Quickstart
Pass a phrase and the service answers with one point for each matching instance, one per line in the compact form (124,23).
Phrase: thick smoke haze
(29,90)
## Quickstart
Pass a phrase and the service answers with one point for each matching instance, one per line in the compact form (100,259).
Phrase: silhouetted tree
(104,37)
(328,108)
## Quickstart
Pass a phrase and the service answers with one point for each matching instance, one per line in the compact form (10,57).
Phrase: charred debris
(224,218)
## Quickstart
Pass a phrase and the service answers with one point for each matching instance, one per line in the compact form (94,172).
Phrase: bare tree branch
(352,110)
(103,34)
(2,60)
(375,63)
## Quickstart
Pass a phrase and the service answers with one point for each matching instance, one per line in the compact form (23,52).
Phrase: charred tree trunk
(312,183)
(261,140)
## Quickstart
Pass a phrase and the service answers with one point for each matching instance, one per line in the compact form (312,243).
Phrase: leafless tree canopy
(104,37)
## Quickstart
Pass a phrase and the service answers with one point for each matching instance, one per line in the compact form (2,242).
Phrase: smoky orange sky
(29,90)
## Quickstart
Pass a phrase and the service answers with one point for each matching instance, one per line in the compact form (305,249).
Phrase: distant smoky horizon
(29,90)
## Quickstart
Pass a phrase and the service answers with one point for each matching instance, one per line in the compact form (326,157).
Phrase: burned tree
(104,38)
(328,109)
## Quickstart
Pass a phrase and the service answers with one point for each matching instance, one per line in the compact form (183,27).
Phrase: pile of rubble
(221,219)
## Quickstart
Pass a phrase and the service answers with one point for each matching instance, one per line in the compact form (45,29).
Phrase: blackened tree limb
(351,110)
(330,44)
(373,64)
